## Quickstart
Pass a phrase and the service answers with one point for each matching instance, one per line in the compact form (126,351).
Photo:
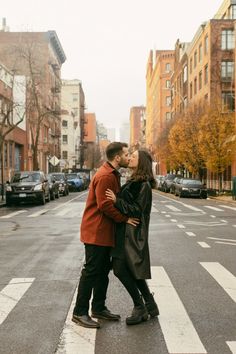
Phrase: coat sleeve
(135,207)
(105,205)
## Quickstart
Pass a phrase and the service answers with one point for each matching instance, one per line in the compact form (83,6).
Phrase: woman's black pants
(132,285)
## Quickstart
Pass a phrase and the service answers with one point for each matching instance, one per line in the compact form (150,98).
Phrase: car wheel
(53,196)
(58,194)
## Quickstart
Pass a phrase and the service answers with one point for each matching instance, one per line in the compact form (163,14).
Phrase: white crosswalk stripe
(226,279)
(11,294)
(213,208)
(178,330)
(8,216)
(232,346)
(173,208)
(227,207)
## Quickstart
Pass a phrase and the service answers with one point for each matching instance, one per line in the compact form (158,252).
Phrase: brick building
(39,56)
(158,99)
(137,126)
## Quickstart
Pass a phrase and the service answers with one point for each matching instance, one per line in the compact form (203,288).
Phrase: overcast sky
(107,42)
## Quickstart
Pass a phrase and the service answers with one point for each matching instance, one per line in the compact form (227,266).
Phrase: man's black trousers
(94,277)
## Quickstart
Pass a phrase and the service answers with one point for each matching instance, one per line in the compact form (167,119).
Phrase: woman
(131,261)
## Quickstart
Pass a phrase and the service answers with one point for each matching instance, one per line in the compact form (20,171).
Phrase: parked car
(159,180)
(173,184)
(27,186)
(189,187)
(75,181)
(168,179)
(63,184)
(53,187)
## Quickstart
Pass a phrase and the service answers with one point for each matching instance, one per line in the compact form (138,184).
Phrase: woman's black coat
(134,200)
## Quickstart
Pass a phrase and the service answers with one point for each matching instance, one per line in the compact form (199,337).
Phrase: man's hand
(133,221)
(110,195)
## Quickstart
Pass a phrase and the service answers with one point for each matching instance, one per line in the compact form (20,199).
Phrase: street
(192,245)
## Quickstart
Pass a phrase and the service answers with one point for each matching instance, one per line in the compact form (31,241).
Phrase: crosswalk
(70,210)
(176,323)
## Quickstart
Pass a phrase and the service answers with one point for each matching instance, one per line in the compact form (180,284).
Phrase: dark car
(75,182)
(53,187)
(61,178)
(173,184)
(159,181)
(166,183)
(189,187)
(27,186)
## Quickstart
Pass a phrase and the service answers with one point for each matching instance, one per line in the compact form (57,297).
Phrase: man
(97,234)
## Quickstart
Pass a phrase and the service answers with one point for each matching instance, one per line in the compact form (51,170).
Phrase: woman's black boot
(151,306)
(138,315)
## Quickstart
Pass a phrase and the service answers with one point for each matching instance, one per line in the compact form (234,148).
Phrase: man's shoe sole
(85,325)
(101,317)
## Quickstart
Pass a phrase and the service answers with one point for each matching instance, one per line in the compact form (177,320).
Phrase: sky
(107,42)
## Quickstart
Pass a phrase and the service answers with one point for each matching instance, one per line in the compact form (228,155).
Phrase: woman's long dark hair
(144,171)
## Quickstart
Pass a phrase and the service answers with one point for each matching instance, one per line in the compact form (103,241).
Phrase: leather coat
(131,243)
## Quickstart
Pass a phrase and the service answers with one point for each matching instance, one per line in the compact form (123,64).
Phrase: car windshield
(26,177)
(72,175)
(191,181)
(59,177)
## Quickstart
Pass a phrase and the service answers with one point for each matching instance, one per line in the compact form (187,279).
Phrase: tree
(12,114)
(185,144)
(217,129)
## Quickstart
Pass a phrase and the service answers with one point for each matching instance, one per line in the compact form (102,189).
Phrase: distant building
(111,134)
(137,127)
(125,132)
(72,115)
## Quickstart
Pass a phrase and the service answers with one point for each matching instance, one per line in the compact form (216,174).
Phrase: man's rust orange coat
(100,215)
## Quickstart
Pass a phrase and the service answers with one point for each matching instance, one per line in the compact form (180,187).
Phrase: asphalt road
(192,244)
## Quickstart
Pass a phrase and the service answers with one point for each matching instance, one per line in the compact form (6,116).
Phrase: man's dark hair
(115,148)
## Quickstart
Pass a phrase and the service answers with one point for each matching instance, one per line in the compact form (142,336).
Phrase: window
(5,155)
(206,44)
(195,86)
(185,73)
(227,70)
(167,83)
(64,139)
(64,123)
(168,67)
(195,59)
(65,155)
(11,155)
(191,90)
(206,74)
(74,112)
(233,12)
(227,101)
(74,97)
(200,53)
(227,39)
(168,101)
(168,116)
(200,80)
(191,65)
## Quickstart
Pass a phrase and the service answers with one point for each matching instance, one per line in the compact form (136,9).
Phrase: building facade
(137,127)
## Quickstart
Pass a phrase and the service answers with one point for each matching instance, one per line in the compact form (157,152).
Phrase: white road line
(13,214)
(154,210)
(69,201)
(224,221)
(64,211)
(234,225)
(227,207)
(221,239)
(232,346)
(40,212)
(11,294)
(193,208)
(190,233)
(178,330)
(171,207)
(167,216)
(173,220)
(163,212)
(181,226)
(212,216)
(204,245)
(226,279)
(226,243)
(213,208)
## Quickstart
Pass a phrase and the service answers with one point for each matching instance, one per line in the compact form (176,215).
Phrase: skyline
(107,43)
